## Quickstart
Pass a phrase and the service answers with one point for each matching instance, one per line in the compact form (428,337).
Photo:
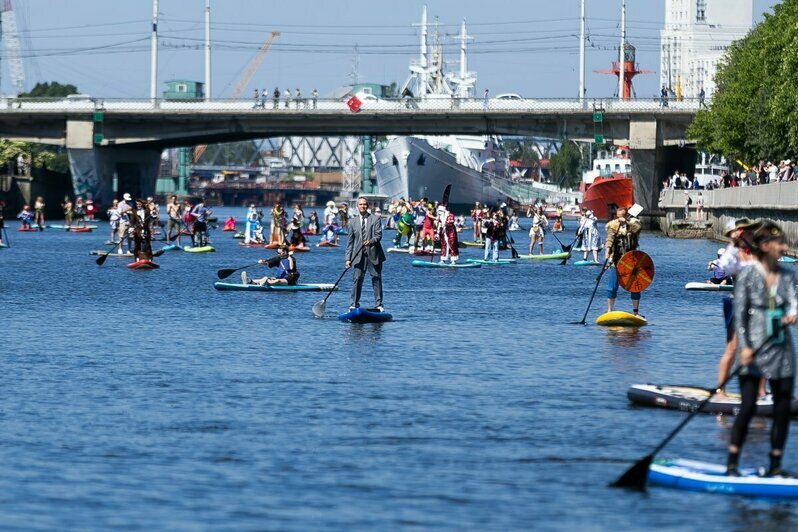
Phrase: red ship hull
(603,196)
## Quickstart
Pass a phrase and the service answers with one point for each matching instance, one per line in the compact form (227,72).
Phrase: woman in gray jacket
(764,306)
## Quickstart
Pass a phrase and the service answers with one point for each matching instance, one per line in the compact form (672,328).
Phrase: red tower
(630,70)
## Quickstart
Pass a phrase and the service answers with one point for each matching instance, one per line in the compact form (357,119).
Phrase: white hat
(721,251)
(730,226)
(331,203)
(126,197)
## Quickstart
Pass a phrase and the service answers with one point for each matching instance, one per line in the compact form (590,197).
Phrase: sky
(529,47)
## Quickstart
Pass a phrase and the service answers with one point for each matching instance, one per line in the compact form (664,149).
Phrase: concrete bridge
(107,137)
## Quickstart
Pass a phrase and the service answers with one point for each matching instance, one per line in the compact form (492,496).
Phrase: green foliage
(565,166)
(752,112)
(50,90)
(522,150)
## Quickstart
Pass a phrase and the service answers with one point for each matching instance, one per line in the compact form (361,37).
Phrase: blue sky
(525,46)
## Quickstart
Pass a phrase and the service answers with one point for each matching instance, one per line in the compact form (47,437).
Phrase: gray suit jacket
(354,241)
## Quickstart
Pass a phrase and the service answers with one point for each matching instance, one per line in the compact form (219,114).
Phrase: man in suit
(365,231)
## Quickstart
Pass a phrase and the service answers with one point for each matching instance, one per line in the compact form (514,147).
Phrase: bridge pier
(94,170)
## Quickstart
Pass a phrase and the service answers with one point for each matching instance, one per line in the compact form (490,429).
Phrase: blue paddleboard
(361,315)
(586,263)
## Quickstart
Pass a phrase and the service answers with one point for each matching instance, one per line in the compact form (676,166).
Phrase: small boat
(619,318)
(692,475)
(709,287)
(361,315)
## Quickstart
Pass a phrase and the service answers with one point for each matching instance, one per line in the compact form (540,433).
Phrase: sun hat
(331,203)
(127,197)
(721,251)
(740,223)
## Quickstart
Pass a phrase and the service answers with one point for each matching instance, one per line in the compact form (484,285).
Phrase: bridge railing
(336,106)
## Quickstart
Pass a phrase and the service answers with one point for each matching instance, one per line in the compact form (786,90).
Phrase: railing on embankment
(777,201)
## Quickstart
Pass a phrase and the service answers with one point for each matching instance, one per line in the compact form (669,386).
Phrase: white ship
(421,166)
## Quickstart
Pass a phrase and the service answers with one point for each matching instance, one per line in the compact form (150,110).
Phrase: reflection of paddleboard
(619,318)
(688,398)
(274,288)
(428,264)
(361,315)
(709,287)
(692,475)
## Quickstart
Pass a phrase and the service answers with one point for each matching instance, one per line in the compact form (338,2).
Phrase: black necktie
(363,226)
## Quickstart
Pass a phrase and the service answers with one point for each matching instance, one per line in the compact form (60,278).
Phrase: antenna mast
(16,68)
(621,51)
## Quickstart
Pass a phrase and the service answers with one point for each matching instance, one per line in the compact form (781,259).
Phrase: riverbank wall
(776,201)
(18,190)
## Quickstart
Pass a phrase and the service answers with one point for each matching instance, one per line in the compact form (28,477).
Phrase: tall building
(697,34)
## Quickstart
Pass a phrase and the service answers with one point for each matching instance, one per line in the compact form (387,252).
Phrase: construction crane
(252,67)
(10,40)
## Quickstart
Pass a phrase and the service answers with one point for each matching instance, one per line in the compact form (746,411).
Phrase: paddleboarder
(200,214)
(364,253)
(765,306)
(173,214)
(622,235)
(38,208)
(26,216)
(588,232)
(287,272)
(141,231)
(538,230)
(448,235)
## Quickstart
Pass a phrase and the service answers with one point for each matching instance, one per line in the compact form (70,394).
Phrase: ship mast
(621,54)
(582,52)
(423,58)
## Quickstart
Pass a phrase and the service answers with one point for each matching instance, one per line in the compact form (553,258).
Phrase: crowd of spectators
(761,173)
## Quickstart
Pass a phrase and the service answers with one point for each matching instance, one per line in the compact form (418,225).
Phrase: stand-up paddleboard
(112,254)
(397,250)
(275,287)
(471,244)
(550,256)
(72,227)
(200,249)
(272,245)
(142,265)
(170,247)
(500,262)
(688,398)
(619,318)
(693,475)
(3,245)
(709,287)
(251,244)
(28,229)
(361,315)
(299,249)
(587,263)
(239,236)
(326,244)
(228,229)
(446,265)
(787,259)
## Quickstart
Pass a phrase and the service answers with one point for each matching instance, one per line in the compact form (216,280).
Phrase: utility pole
(582,52)
(154,53)
(207,50)
(621,54)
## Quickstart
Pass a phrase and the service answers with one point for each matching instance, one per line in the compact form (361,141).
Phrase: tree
(752,112)
(565,166)
(523,150)
(50,90)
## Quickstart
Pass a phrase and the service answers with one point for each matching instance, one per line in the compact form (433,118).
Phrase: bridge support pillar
(93,171)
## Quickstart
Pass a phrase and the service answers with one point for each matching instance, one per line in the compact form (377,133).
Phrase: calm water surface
(147,399)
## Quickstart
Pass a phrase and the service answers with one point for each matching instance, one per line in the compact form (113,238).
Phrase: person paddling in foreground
(141,231)
(287,272)
(765,304)
(623,234)
(364,252)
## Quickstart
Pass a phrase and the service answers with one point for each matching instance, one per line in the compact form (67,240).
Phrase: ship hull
(410,168)
(603,196)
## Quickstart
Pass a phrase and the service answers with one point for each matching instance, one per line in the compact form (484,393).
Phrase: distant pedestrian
(298,98)
(287,97)
(663,97)
(315,95)
(701,96)
(699,213)
(264,95)
(276,97)
(486,99)
(687,202)
(256,98)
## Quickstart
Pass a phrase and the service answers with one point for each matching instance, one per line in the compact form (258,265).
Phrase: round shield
(635,271)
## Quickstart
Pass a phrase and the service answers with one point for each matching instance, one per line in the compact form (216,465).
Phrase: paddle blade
(227,272)
(514,253)
(318,309)
(636,476)
(101,259)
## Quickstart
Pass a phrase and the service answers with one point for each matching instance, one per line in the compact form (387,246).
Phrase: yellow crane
(252,67)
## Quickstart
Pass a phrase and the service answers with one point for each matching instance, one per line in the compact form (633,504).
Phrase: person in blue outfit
(364,253)
(287,272)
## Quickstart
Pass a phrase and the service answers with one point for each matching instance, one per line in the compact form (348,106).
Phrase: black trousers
(782,396)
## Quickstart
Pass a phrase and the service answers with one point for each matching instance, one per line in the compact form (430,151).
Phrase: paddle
(510,242)
(636,476)
(101,259)
(227,272)
(318,307)
(8,240)
(595,289)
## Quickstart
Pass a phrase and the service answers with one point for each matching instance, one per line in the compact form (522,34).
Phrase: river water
(147,399)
